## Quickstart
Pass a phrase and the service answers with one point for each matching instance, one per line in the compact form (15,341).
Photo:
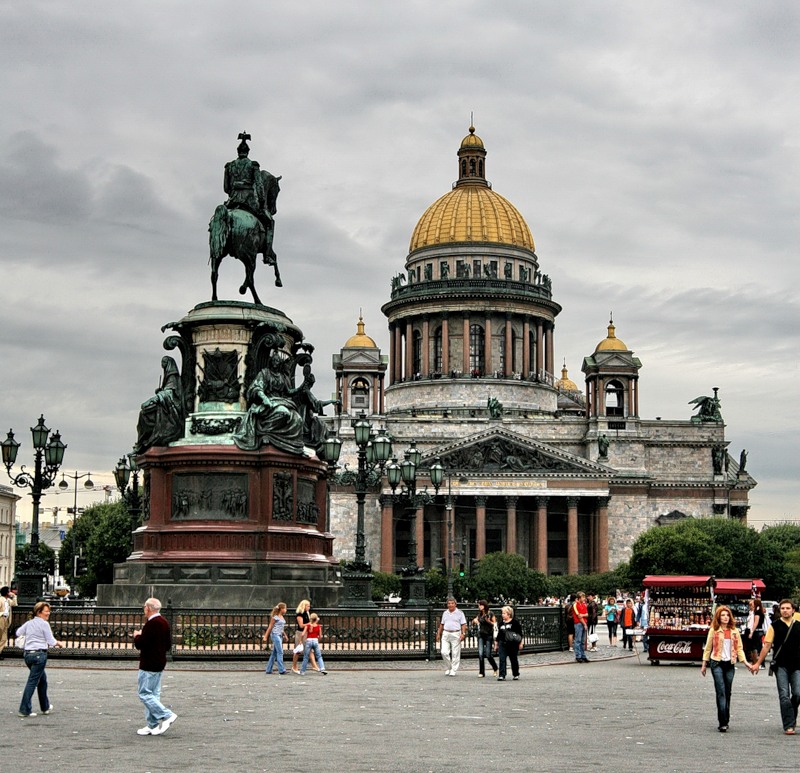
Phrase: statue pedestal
(30,586)
(231,529)
(357,589)
(225,527)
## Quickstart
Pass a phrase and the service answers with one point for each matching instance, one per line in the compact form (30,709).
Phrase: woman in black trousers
(509,643)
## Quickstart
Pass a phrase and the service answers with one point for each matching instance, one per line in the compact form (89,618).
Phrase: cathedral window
(615,399)
(437,350)
(359,393)
(477,353)
(416,354)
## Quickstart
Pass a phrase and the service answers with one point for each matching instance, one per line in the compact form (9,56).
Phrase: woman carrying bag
(509,643)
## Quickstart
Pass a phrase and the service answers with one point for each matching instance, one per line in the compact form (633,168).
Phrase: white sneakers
(49,709)
(158,729)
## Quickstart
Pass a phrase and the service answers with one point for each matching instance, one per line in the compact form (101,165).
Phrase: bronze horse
(242,235)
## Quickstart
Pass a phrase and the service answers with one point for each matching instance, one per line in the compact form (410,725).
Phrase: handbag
(773,665)
(512,637)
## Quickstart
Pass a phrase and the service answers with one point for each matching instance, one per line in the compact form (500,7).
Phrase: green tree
(713,546)
(502,576)
(45,560)
(103,537)
(384,583)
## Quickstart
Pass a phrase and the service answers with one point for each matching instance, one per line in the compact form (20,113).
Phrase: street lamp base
(356,589)
(413,591)
(30,585)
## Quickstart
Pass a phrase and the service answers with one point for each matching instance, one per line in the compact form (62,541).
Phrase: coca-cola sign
(674,648)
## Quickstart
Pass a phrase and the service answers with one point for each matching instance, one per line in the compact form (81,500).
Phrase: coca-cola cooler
(679,614)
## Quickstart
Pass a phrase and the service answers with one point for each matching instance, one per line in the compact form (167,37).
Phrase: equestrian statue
(244,225)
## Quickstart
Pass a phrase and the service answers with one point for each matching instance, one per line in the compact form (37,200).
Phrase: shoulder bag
(773,665)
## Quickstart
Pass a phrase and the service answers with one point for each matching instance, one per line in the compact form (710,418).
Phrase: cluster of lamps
(48,456)
(126,466)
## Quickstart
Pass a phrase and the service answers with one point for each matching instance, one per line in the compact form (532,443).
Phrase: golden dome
(472,140)
(471,213)
(566,384)
(360,340)
(611,342)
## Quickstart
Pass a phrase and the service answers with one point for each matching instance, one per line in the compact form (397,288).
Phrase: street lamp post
(406,472)
(48,456)
(373,451)
(122,475)
(89,486)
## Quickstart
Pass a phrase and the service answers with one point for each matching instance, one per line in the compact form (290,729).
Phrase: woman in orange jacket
(723,649)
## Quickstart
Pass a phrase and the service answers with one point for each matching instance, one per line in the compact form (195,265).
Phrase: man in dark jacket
(153,642)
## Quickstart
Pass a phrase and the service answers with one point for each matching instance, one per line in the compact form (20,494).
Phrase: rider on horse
(244,184)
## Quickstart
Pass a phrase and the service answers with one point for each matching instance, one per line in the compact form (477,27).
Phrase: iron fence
(347,634)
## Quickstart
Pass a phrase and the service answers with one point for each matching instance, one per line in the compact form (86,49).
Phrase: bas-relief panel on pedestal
(214,496)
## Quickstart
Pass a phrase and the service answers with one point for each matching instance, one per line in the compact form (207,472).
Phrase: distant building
(536,466)
(8,505)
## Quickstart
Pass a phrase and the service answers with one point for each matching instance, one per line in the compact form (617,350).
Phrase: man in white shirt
(8,599)
(451,633)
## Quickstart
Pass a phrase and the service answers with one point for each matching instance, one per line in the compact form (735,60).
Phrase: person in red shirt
(580,616)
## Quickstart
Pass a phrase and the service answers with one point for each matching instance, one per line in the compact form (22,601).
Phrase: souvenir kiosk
(679,614)
(737,594)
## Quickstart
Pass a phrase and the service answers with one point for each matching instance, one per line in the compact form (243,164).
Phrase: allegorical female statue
(272,416)
(161,417)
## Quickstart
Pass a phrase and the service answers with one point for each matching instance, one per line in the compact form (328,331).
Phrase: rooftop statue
(244,225)
(708,408)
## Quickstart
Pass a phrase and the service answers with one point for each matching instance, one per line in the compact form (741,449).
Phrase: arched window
(615,399)
(359,393)
(480,168)
(477,354)
(416,353)
(437,350)
(532,347)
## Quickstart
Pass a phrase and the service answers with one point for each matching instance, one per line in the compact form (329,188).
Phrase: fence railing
(362,634)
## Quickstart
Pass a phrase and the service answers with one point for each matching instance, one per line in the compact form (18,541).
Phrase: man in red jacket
(153,642)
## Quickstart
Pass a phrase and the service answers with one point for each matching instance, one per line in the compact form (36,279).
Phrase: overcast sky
(652,148)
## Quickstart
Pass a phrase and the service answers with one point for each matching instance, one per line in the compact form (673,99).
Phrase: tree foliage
(26,558)
(713,546)
(103,537)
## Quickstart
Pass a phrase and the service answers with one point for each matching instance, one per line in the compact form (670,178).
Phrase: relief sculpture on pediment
(501,455)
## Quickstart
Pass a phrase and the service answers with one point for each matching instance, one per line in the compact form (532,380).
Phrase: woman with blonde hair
(300,635)
(509,643)
(723,648)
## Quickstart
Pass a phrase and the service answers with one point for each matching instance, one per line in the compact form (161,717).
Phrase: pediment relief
(500,451)
(615,360)
(360,357)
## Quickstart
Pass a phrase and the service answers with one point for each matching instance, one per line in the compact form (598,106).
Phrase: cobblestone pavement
(616,714)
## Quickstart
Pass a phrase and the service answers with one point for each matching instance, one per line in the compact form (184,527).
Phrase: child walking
(277,633)
(312,643)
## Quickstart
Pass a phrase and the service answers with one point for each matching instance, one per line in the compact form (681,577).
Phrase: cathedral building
(535,465)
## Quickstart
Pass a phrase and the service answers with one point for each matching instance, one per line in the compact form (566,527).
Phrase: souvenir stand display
(679,614)
(737,594)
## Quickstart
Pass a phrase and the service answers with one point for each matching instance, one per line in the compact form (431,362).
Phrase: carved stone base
(217,585)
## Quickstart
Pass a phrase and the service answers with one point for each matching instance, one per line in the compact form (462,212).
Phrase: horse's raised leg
(278,282)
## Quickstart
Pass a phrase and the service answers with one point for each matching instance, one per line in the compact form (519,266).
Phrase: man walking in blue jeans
(580,616)
(153,642)
(784,636)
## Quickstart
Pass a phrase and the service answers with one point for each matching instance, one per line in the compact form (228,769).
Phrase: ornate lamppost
(130,496)
(413,584)
(373,451)
(48,456)
(89,486)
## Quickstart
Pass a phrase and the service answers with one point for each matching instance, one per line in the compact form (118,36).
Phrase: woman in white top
(38,639)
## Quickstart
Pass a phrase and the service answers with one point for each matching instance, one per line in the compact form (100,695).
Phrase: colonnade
(522,344)
(524,529)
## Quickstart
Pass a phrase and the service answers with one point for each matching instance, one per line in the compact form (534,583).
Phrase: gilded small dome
(360,340)
(566,384)
(611,342)
(472,140)
(471,213)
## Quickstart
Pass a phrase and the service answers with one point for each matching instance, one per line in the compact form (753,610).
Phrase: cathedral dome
(360,340)
(611,342)
(472,211)
(565,384)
